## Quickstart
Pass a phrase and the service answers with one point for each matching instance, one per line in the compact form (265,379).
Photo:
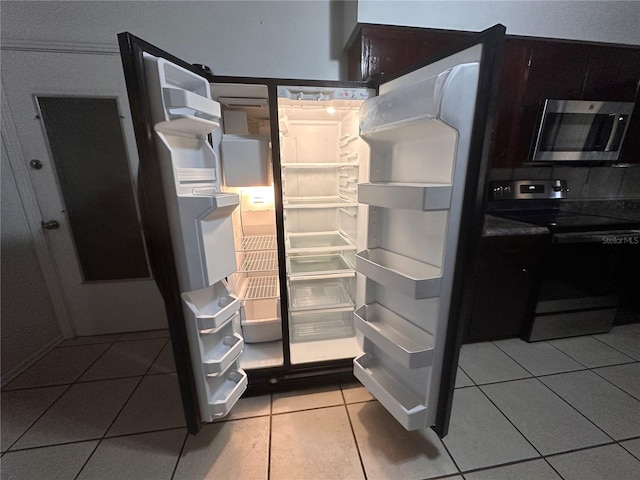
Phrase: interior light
(331,110)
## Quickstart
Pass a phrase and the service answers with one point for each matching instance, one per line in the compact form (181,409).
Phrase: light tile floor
(109,408)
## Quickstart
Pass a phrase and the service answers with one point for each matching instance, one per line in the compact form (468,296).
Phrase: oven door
(573,130)
(583,279)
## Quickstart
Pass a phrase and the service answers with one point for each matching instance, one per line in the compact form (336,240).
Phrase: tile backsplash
(585,183)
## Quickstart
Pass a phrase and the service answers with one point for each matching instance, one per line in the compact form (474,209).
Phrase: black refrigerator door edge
(153,212)
(466,266)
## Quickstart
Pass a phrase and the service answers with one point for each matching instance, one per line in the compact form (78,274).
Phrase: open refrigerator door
(200,221)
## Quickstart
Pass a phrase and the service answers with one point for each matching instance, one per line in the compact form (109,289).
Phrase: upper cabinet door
(187,223)
(429,132)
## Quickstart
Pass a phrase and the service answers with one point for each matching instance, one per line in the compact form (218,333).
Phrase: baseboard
(22,366)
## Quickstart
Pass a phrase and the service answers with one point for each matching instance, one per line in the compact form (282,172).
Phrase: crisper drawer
(318,294)
(321,325)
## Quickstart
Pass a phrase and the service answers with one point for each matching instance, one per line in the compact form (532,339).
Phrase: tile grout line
(451,456)
(39,417)
(511,422)
(615,348)
(270,435)
(184,444)
(353,432)
(70,385)
(110,425)
(610,382)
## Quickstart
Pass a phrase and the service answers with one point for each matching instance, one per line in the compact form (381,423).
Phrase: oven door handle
(618,237)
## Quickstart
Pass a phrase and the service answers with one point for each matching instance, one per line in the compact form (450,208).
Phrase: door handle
(51,225)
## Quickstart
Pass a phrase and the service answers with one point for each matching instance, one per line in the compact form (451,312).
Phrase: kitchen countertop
(503,227)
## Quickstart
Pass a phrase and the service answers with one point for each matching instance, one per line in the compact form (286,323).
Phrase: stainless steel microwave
(579,130)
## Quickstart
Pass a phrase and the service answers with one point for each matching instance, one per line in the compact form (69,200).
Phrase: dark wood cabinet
(507,286)
(533,69)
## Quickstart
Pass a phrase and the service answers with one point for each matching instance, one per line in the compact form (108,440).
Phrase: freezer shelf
(416,196)
(213,306)
(258,242)
(261,287)
(318,242)
(222,355)
(404,405)
(319,294)
(317,265)
(407,344)
(262,261)
(321,325)
(404,274)
(317,202)
(225,390)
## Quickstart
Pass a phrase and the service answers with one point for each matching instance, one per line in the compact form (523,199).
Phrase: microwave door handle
(612,135)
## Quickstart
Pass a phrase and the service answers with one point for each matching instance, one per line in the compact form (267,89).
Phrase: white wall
(295,39)
(29,326)
(599,21)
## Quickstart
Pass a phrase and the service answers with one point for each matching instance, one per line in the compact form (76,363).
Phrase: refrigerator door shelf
(416,101)
(322,325)
(223,354)
(403,274)
(317,202)
(404,405)
(225,391)
(179,102)
(318,242)
(213,306)
(187,126)
(319,294)
(222,204)
(310,265)
(407,344)
(416,196)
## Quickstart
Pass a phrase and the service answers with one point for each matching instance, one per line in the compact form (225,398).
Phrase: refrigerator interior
(322,161)
(248,172)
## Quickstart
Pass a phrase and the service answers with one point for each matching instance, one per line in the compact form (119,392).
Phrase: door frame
(20,172)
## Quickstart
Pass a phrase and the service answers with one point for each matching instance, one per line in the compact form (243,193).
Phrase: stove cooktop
(559,221)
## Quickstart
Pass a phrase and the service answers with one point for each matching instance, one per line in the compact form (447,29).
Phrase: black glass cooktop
(559,221)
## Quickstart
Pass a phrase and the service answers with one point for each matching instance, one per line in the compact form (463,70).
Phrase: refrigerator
(309,232)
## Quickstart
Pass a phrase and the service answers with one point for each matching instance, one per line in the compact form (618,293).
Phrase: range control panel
(528,189)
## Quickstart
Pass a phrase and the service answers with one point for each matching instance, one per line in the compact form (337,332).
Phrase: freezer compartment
(321,325)
(405,405)
(245,160)
(407,344)
(213,306)
(323,293)
(306,265)
(261,320)
(225,390)
(318,242)
(416,196)
(219,357)
(406,275)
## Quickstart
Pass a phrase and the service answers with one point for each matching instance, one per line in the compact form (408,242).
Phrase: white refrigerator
(306,232)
